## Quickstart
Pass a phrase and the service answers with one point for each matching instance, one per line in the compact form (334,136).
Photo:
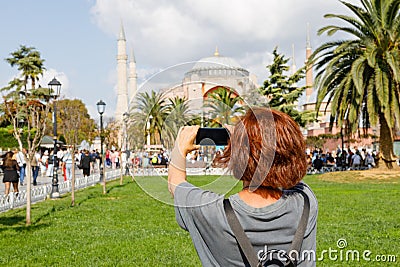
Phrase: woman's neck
(259,197)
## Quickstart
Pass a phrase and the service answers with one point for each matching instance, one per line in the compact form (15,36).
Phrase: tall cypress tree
(282,91)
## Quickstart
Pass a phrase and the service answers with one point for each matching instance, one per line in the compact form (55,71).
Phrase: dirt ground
(378,175)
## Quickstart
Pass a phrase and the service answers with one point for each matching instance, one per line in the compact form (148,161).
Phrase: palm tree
(224,107)
(178,115)
(150,110)
(19,106)
(29,62)
(361,75)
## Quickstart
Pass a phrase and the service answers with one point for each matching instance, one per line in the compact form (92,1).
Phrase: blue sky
(75,50)
(77,38)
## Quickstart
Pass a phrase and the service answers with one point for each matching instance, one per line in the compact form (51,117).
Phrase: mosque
(208,74)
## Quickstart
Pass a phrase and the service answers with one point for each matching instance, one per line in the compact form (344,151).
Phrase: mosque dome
(217,65)
(216,62)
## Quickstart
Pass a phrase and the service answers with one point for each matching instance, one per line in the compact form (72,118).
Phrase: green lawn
(128,227)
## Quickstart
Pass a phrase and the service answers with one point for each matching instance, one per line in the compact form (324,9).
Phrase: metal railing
(40,193)
(151,171)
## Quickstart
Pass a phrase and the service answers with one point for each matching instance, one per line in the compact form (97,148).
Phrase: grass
(364,213)
(128,227)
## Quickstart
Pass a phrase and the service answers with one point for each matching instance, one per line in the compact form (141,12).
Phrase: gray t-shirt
(271,227)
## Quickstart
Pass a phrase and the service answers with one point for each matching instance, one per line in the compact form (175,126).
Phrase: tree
(150,109)
(75,124)
(136,139)
(111,132)
(361,75)
(29,62)
(224,107)
(25,108)
(282,92)
(177,109)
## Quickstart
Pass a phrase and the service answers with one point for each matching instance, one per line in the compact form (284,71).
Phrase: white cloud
(256,63)
(165,33)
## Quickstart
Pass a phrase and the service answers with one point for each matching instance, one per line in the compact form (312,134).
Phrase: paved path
(41,180)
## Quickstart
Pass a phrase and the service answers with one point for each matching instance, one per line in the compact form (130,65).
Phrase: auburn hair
(266,148)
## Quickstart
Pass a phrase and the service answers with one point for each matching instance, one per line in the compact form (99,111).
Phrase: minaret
(293,67)
(309,75)
(122,86)
(132,77)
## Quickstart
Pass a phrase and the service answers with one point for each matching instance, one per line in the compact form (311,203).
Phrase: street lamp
(54,92)
(126,118)
(127,153)
(101,107)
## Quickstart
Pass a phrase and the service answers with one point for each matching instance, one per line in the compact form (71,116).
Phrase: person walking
(85,163)
(21,160)
(67,162)
(108,160)
(78,156)
(35,167)
(50,164)
(43,163)
(112,158)
(10,169)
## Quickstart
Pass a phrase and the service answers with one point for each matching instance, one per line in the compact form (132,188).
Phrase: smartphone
(212,136)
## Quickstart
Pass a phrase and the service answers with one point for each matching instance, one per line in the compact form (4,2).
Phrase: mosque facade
(210,73)
(206,75)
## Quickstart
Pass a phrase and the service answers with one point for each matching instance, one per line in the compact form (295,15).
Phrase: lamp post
(126,118)
(101,107)
(54,92)
(127,153)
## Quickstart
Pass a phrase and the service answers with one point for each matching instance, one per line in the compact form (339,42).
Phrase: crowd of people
(353,159)
(13,163)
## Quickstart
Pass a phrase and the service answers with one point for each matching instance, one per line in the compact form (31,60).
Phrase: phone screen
(212,136)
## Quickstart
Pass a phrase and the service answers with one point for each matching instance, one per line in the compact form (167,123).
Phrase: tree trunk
(386,142)
(104,174)
(121,167)
(73,177)
(28,173)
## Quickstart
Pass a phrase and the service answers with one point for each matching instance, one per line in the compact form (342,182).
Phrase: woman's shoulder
(299,191)
(301,187)
(189,195)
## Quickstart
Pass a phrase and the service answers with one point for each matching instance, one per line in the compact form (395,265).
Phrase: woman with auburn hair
(10,169)
(266,151)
